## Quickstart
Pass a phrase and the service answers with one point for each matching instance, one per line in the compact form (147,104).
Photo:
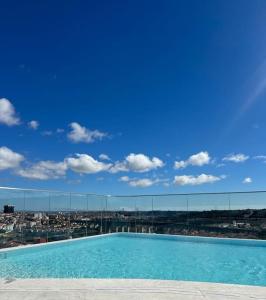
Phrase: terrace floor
(117,289)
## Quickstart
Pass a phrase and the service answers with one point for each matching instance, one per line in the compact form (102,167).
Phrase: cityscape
(31,227)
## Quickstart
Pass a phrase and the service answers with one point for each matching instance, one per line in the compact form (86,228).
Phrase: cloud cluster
(144,182)
(79,163)
(137,163)
(135,182)
(9,159)
(86,164)
(77,134)
(181,180)
(196,180)
(83,163)
(7,113)
(43,170)
(80,134)
(9,117)
(236,158)
(199,159)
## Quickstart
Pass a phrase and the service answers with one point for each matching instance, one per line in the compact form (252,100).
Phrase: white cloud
(142,163)
(247,180)
(237,158)
(8,113)
(137,163)
(9,159)
(199,159)
(33,124)
(104,157)
(119,167)
(196,180)
(180,164)
(144,182)
(84,163)
(135,182)
(44,170)
(80,134)
(124,178)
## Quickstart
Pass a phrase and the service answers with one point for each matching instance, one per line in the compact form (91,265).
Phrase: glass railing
(39,216)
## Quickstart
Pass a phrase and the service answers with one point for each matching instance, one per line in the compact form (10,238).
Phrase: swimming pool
(145,256)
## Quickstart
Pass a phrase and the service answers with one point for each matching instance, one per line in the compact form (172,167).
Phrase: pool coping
(248,242)
(125,289)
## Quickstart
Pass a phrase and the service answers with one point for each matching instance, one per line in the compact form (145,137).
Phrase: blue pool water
(142,256)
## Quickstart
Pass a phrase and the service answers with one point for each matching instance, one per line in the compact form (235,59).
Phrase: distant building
(9,209)
(38,215)
(32,224)
(10,227)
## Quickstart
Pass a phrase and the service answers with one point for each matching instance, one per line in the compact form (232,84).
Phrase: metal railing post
(87,209)
(69,223)
(49,212)
(101,229)
(24,208)
(187,213)
(152,217)
(135,216)
(105,215)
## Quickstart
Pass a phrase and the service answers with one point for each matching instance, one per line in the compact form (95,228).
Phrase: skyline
(118,98)
(51,200)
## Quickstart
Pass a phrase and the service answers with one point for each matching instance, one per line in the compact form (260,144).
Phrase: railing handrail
(48,191)
(187,194)
(133,195)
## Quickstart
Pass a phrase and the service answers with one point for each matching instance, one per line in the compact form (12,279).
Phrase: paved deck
(99,289)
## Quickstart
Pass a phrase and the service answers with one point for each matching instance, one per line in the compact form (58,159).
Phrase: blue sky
(171,92)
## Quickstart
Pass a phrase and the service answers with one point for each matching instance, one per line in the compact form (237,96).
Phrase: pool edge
(249,242)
